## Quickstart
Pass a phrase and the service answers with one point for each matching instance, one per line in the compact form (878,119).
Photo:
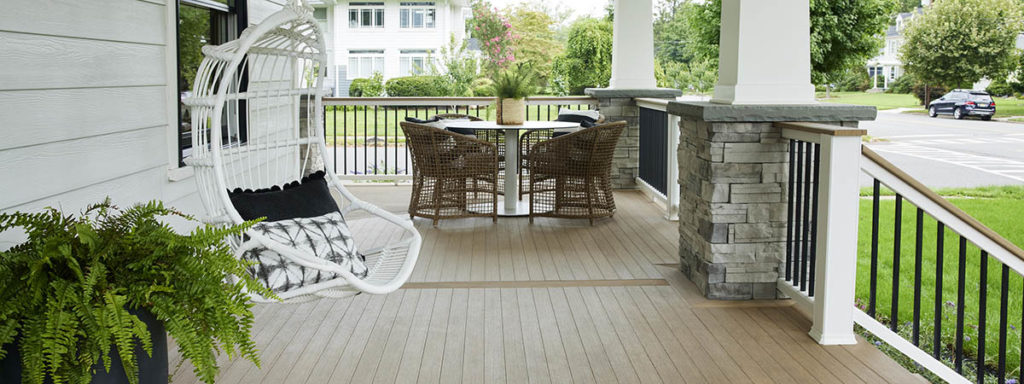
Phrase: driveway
(944,152)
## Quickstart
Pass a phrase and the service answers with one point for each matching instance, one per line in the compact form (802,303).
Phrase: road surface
(944,152)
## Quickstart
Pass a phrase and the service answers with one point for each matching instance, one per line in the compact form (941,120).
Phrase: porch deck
(558,301)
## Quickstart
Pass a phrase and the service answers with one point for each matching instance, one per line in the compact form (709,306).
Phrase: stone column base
(733,176)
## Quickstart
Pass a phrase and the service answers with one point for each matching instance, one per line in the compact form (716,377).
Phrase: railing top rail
(652,103)
(453,101)
(819,128)
(945,204)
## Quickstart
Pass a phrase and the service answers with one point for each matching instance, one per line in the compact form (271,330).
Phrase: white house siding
(392,38)
(88,104)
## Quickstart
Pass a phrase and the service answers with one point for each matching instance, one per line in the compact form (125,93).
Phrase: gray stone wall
(733,191)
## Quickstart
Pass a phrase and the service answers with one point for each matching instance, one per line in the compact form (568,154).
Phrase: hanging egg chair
(258,150)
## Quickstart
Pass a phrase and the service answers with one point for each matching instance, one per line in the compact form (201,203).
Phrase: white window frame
(376,58)
(406,59)
(409,10)
(376,10)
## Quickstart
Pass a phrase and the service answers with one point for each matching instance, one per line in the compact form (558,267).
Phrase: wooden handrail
(945,204)
(825,129)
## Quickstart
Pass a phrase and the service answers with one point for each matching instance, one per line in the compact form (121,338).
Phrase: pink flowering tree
(494,31)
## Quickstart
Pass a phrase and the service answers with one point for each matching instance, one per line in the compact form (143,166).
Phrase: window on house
(202,22)
(413,62)
(366,15)
(420,14)
(363,63)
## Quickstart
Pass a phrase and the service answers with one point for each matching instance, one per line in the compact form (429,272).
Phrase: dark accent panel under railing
(654,149)
(977,323)
(801,231)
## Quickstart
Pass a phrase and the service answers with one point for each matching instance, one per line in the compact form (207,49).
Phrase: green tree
(695,76)
(844,33)
(193,34)
(957,42)
(457,66)
(587,60)
(671,31)
(535,43)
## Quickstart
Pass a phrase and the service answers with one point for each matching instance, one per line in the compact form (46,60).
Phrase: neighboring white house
(887,67)
(393,37)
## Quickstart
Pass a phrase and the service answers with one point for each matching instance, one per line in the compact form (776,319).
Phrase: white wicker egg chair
(261,94)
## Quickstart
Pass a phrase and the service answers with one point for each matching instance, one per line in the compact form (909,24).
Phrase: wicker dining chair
(527,141)
(570,175)
(454,175)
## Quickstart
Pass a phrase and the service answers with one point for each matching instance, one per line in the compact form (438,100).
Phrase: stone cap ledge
(710,112)
(611,93)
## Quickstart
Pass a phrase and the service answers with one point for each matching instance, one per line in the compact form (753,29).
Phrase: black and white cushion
(586,118)
(326,237)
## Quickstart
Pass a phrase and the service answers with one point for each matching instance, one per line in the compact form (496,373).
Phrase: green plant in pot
(85,298)
(511,87)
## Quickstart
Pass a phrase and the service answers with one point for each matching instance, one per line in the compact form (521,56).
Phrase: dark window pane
(353,18)
(367,18)
(405,18)
(430,18)
(380,18)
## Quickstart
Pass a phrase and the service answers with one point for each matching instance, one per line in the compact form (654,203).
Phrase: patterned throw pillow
(326,237)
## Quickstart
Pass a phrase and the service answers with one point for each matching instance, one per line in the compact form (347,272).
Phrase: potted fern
(87,298)
(511,87)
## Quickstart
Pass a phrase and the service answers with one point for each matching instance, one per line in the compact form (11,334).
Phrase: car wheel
(986,118)
(932,112)
(958,114)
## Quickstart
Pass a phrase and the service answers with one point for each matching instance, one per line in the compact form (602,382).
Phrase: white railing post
(672,205)
(835,272)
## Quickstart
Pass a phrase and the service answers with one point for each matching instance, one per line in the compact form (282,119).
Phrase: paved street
(944,152)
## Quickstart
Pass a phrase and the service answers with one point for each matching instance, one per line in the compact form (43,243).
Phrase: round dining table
(510,205)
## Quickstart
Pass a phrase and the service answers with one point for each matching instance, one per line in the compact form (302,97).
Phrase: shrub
(483,87)
(367,87)
(416,86)
(903,84)
(853,80)
(999,87)
(936,92)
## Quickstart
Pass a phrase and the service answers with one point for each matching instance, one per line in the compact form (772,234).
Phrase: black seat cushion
(309,197)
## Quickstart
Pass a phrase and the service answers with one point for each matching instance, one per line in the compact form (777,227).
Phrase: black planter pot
(151,369)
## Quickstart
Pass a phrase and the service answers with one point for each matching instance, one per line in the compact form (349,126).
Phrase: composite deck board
(555,301)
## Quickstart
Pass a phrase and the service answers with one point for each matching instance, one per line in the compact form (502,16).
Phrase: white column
(764,53)
(633,46)
(885,80)
(835,273)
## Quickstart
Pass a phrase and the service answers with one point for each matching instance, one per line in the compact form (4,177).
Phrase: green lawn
(1005,106)
(879,100)
(1000,208)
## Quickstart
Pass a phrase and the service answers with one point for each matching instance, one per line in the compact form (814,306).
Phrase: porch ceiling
(558,301)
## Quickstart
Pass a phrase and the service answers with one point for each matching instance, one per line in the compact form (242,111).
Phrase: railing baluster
(344,135)
(807,216)
(982,309)
(873,280)
(792,195)
(958,357)
(937,337)
(897,238)
(813,248)
(918,237)
(1004,296)
(797,244)
(365,160)
(375,160)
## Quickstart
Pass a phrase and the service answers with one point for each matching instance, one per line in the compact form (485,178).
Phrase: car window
(961,96)
(980,97)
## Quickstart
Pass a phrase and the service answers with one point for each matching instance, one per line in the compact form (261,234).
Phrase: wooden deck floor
(554,302)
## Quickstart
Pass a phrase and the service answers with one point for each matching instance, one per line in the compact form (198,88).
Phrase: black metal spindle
(797,249)
(937,336)
(873,280)
(894,310)
(375,160)
(344,137)
(814,220)
(1004,296)
(792,195)
(365,151)
(808,158)
(334,133)
(386,141)
(958,355)
(918,237)
(982,304)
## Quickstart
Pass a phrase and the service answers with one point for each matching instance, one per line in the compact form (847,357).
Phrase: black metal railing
(802,214)
(364,138)
(964,317)
(653,149)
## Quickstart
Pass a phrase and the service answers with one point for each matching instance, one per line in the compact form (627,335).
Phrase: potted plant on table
(511,87)
(87,298)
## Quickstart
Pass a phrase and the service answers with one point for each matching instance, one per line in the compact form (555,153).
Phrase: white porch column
(764,52)
(885,80)
(633,46)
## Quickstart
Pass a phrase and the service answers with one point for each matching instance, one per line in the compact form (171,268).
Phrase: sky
(579,8)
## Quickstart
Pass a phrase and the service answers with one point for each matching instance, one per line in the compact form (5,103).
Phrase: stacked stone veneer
(619,105)
(733,167)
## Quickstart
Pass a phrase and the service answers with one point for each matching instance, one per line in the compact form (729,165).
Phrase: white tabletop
(525,125)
